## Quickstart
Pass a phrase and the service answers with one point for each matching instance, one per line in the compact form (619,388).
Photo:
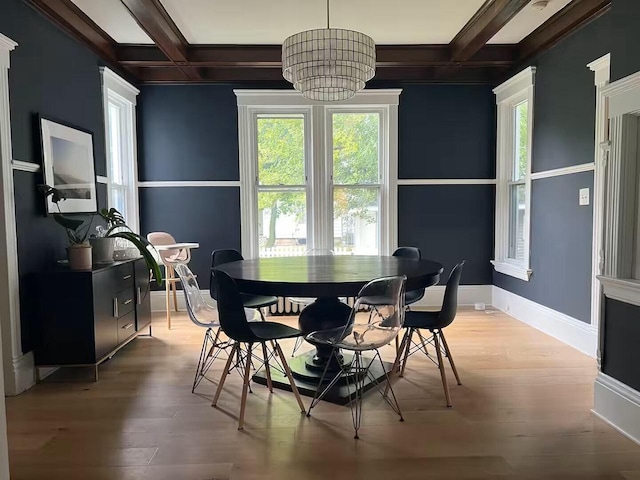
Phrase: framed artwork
(68,165)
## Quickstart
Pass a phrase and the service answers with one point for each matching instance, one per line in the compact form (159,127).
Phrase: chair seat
(426,320)
(358,337)
(412,296)
(273,330)
(257,301)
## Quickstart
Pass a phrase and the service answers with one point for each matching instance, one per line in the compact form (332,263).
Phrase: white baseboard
(24,375)
(467,295)
(582,336)
(618,405)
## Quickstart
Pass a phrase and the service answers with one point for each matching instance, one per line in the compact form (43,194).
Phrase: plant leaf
(68,223)
(139,242)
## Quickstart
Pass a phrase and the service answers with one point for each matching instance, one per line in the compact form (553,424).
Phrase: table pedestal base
(307,379)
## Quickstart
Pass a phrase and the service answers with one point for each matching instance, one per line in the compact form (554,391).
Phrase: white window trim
(116,88)
(512,92)
(251,102)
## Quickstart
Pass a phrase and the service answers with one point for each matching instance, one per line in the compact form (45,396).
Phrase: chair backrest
(231,311)
(383,302)
(450,302)
(218,257)
(200,311)
(408,252)
(163,238)
(314,252)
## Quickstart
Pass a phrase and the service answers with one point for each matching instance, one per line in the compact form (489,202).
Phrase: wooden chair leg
(445,385)
(267,369)
(451,362)
(287,370)
(407,347)
(167,287)
(225,372)
(245,387)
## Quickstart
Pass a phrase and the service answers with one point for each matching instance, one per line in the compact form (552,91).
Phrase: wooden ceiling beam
(156,22)
(68,16)
(487,21)
(563,23)
(269,56)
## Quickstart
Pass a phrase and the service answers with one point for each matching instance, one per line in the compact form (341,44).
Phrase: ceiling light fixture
(328,64)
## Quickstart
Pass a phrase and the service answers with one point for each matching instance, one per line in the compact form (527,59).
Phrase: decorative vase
(102,248)
(79,256)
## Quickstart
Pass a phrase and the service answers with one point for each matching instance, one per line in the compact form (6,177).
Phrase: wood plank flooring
(523,412)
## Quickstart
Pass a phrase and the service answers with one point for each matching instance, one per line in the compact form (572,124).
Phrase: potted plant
(79,250)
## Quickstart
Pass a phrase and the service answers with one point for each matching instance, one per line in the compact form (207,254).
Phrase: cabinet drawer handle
(139,296)
(115,307)
(127,326)
(126,277)
(127,302)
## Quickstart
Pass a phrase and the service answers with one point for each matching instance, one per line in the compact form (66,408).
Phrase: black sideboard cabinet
(86,316)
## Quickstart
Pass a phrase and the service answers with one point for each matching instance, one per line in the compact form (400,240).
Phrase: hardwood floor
(523,412)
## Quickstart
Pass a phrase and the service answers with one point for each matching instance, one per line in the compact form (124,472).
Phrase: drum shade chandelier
(328,64)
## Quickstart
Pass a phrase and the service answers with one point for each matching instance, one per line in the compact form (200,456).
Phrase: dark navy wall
(53,75)
(621,355)
(564,135)
(625,37)
(561,234)
(446,131)
(190,133)
(450,223)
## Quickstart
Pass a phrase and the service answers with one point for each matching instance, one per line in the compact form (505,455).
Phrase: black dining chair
(244,333)
(435,322)
(257,302)
(413,253)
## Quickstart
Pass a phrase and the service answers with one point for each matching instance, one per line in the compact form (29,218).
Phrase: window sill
(625,290)
(512,270)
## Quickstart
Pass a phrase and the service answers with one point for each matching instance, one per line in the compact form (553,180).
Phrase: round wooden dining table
(325,278)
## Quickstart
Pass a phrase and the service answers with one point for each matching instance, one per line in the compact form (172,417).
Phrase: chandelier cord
(327,13)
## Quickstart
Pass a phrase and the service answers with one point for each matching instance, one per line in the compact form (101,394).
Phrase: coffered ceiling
(475,41)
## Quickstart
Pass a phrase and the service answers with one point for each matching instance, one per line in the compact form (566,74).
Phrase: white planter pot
(102,250)
(79,257)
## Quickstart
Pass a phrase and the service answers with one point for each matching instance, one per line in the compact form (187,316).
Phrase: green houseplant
(79,250)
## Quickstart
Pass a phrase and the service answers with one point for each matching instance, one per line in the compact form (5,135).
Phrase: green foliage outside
(281,163)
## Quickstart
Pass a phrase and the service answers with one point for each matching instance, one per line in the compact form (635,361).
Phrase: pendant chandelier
(328,64)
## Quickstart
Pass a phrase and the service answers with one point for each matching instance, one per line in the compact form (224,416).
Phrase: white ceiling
(271,21)
(526,21)
(115,19)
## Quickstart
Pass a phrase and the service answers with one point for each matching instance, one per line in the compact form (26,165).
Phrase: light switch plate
(584,196)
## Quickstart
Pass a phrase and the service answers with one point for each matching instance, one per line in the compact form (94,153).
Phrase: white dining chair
(169,259)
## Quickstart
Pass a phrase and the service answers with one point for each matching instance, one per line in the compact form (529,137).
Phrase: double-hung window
(317,177)
(514,100)
(119,99)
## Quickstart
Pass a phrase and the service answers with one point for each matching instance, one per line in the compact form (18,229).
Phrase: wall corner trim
(618,405)
(625,290)
(579,335)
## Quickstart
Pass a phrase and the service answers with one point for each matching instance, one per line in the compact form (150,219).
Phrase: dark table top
(326,276)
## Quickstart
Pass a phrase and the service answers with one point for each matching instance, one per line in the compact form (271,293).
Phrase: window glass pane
(517,208)
(282,223)
(355,148)
(281,151)
(118,200)
(521,141)
(356,220)
(116,173)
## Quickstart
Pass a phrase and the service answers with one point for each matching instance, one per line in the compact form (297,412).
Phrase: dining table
(328,279)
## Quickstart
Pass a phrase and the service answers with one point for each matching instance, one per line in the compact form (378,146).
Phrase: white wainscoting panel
(581,336)
(618,405)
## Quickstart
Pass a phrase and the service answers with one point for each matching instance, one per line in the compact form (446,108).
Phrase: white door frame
(601,69)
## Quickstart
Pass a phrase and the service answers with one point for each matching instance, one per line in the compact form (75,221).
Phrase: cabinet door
(143,295)
(105,311)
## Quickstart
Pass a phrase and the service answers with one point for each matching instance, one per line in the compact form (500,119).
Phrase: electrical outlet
(584,196)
